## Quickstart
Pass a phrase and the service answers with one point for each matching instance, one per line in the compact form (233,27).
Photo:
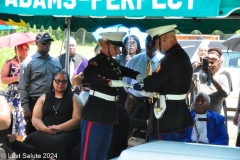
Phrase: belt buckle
(116,98)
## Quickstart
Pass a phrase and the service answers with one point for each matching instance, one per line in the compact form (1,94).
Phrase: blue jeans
(95,140)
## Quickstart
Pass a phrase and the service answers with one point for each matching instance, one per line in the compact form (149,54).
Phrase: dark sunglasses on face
(49,43)
(58,81)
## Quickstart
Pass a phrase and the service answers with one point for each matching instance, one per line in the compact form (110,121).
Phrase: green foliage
(57,35)
(5,54)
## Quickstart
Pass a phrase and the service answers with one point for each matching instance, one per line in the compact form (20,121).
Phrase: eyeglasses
(133,43)
(49,43)
(58,81)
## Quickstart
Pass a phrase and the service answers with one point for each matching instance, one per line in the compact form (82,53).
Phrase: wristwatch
(81,75)
(2,93)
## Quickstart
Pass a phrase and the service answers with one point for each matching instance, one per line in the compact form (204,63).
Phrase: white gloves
(140,78)
(119,83)
(146,94)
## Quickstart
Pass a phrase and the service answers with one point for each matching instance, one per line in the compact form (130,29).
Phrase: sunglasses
(58,81)
(133,43)
(44,43)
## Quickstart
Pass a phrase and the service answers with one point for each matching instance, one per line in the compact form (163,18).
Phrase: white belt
(175,97)
(102,95)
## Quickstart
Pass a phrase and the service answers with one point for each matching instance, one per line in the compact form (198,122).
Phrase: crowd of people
(90,111)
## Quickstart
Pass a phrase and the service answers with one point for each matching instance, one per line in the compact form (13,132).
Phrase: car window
(231,59)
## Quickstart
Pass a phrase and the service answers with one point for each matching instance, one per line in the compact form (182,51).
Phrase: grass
(55,51)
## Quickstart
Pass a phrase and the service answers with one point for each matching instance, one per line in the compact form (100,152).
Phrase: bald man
(172,81)
(202,52)
(73,56)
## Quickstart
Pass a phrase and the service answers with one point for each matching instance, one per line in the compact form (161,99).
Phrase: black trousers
(238,140)
(29,127)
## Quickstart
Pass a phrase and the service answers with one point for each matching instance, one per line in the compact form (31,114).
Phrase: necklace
(57,107)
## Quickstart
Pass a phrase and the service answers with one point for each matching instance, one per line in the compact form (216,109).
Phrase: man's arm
(235,118)
(24,86)
(5,118)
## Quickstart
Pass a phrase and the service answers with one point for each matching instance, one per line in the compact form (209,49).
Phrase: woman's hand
(235,118)
(128,57)
(11,137)
(49,130)
(209,73)
(54,128)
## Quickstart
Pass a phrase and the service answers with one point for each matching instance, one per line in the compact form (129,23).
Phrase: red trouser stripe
(86,140)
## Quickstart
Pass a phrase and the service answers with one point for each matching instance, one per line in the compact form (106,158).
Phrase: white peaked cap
(114,38)
(161,30)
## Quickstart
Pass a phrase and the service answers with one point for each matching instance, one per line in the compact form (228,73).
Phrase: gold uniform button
(117,89)
(120,78)
(114,69)
(112,64)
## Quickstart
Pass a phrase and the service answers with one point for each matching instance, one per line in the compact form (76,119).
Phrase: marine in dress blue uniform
(100,111)
(173,80)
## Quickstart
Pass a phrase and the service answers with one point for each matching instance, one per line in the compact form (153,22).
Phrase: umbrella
(233,42)
(121,28)
(2,22)
(4,26)
(15,39)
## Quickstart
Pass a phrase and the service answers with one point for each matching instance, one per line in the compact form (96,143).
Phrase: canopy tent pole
(128,41)
(67,69)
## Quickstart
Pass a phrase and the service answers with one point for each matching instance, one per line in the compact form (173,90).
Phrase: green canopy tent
(203,15)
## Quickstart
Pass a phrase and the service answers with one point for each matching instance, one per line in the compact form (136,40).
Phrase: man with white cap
(100,111)
(172,80)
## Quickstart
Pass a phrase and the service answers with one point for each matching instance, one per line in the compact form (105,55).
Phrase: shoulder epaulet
(93,63)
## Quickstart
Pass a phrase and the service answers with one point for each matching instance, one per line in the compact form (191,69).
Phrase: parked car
(231,64)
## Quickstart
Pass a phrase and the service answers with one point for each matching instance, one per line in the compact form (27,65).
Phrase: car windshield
(231,59)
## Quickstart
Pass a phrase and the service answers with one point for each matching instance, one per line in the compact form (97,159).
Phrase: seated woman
(56,117)
(209,126)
